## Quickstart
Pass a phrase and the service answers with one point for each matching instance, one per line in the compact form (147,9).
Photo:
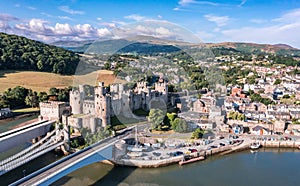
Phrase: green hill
(20,53)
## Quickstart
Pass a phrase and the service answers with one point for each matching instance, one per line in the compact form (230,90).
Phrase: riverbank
(244,144)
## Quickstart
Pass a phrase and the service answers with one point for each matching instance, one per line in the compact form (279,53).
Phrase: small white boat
(255,145)
(253,151)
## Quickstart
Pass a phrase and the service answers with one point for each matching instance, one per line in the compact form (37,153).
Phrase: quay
(147,162)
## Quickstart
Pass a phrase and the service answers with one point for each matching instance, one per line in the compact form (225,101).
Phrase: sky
(259,21)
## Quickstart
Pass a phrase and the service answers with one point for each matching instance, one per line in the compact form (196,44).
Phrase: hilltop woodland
(20,53)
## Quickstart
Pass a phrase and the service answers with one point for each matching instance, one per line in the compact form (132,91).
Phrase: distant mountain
(140,45)
(149,44)
(72,43)
(21,53)
(254,48)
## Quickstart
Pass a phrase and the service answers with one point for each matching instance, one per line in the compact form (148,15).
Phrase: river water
(266,167)
(11,124)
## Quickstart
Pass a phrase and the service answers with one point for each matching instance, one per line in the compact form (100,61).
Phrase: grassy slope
(43,81)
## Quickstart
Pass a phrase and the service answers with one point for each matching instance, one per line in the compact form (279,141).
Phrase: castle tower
(76,100)
(162,88)
(141,87)
(102,104)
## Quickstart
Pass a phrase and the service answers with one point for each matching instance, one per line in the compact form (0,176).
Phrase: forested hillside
(20,53)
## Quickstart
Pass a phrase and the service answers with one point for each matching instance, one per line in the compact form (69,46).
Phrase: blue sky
(257,21)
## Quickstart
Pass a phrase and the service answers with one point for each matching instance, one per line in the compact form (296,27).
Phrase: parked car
(213,146)
(193,150)
(222,144)
(177,153)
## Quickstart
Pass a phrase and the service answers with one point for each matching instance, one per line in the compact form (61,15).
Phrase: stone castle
(92,111)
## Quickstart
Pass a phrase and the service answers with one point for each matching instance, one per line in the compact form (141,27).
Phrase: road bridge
(98,152)
(18,136)
(53,140)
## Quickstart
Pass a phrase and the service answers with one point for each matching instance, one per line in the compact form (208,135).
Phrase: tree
(169,118)
(106,66)
(32,99)
(277,81)
(156,117)
(198,133)
(53,91)
(286,96)
(42,96)
(180,125)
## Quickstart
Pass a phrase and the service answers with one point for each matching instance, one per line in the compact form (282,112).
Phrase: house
(295,114)
(205,124)
(224,128)
(283,116)
(237,91)
(199,106)
(259,130)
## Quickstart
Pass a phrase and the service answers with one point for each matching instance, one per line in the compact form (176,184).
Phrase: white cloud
(258,21)
(99,18)
(242,3)
(67,9)
(219,20)
(163,32)
(188,2)
(31,8)
(42,30)
(159,17)
(135,17)
(285,29)
(185,2)
(46,14)
(8,17)
(35,26)
(205,36)
(103,32)
(272,34)
(65,18)
(5,20)
(292,16)
(63,29)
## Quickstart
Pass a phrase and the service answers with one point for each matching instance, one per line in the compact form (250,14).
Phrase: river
(266,167)
(5,126)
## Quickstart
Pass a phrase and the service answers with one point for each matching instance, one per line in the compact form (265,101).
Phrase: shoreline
(221,151)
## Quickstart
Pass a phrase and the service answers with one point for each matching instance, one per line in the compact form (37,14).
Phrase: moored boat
(255,145)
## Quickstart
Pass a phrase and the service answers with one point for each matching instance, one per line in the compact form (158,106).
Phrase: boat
(255,145)
(183,162)
(253,151)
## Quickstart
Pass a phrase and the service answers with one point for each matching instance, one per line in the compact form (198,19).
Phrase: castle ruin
(95,110)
